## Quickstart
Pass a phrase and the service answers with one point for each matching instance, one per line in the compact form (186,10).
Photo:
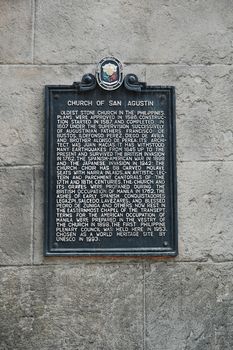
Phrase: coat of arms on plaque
(109,73)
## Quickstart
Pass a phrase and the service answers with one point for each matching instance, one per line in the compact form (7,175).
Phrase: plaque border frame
(120,252)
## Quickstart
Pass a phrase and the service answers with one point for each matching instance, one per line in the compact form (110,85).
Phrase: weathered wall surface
(184,303)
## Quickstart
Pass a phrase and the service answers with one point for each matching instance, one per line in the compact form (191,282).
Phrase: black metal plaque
(110,177)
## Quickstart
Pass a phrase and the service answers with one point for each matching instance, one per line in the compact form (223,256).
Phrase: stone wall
(183,303)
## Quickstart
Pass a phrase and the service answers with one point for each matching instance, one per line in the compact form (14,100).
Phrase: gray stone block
(39,224)
(16,211)
(204,109)
(189,306)
(205,192)
(16,32)
(87,307)
(22,108)
(148,32)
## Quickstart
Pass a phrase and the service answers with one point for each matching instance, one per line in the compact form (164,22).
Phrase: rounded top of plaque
(109,73)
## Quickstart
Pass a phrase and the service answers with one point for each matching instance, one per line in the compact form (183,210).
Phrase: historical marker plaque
(110,181)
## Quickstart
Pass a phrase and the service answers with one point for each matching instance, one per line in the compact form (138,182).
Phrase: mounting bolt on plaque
(109,73)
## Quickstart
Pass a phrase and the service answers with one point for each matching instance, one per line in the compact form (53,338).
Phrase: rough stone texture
(205,192)
(161,31)
(16,216)
(38,248)
(16,32)
(204,109)
(189,307)
(87,307)
(22,108)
